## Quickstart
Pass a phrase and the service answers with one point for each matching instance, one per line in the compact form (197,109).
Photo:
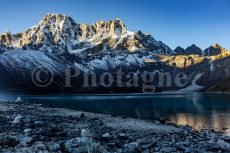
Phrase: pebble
(39,132)
(85,133)
(106,136)
(8,140)
(27,130)
(226,138)
(39,123)
(82,115)
(17,119)
(53,146)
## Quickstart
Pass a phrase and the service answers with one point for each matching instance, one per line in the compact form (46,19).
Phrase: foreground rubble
(35,128)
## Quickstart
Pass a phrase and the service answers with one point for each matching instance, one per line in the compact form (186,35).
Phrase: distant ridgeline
(57,42)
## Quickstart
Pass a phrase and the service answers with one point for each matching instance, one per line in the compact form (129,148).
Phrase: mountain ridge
(57,28)
(58,33)
(104,47)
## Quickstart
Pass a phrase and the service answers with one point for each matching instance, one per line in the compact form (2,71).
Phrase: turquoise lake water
(199,110)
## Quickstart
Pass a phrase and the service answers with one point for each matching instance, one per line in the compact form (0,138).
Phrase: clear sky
(175,22)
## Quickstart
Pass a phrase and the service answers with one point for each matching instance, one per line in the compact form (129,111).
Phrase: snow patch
(21,61)
(77,51)
(133,49)
(212,68)
(193,86)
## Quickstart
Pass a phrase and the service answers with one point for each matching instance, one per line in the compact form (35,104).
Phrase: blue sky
(175,22)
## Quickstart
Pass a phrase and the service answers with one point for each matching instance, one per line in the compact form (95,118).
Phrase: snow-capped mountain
(57,33)
(58,41)
(19,61)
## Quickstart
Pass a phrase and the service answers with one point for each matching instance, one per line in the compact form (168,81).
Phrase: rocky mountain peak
(113,28)
(117,26)
(6,38)
(215,49)
(179,50)
(218,47)
(58,33)
(50,19)
(193,49)
(56,23)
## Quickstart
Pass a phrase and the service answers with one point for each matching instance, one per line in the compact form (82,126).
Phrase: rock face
(215,50)
(58,33)
(17,68)
(193,49)
(58,41)
(179,50)
(6,39)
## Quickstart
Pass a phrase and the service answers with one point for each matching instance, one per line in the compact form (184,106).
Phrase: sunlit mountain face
(57,42)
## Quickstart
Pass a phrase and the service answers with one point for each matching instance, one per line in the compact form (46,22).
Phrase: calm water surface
(199,110)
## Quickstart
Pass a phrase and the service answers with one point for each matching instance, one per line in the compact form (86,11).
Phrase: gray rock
(79,144)
(112,145)
(132,147)
(106,136)
(39,147)
(223,144)
(226,138)
(53,146)
(86,133)
(82,116)
(17,119)
(189,150)
(8,140)
(39,123)
(162,120)
(96,148)
(123,136)
(167,150)
(156,122)
(27,130)
(147,144)
(213,147)
(28,125)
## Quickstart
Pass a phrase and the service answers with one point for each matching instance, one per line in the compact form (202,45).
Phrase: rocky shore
(38,129)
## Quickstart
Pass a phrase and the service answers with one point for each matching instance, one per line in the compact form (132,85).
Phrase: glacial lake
(199,110)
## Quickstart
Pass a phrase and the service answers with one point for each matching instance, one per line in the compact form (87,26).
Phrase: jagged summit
(58,33)
(66,21)
(57,20)
(193,49)
(55,15)
(5,38)
(215,49)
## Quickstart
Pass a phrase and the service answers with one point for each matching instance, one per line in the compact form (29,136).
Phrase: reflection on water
(212,121)
(199,110)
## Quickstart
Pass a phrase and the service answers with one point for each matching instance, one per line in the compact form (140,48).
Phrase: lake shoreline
(34,128)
